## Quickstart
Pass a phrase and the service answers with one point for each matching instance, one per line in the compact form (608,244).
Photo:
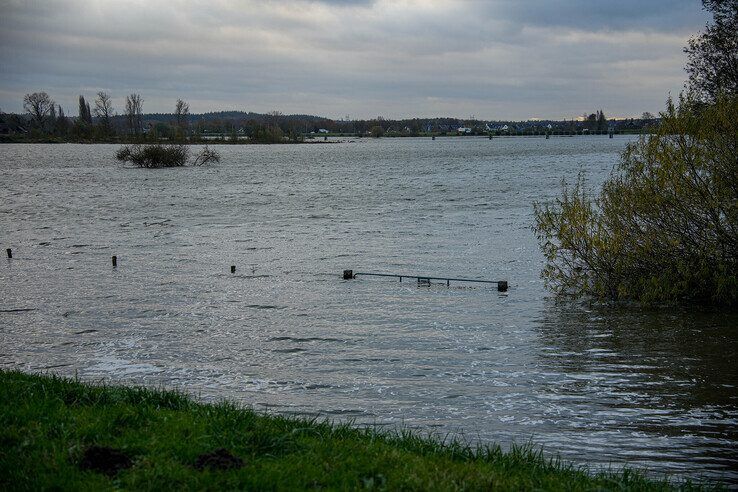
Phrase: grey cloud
(601,14)
(494,59)
(342,3)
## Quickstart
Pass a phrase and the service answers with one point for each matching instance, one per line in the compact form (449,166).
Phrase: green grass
(47,422)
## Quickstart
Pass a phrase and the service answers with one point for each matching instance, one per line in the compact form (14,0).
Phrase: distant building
(323,130)
(463,129)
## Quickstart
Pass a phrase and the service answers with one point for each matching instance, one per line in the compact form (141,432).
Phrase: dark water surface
(647,388)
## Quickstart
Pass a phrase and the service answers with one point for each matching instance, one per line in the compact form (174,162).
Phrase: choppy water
(654,389)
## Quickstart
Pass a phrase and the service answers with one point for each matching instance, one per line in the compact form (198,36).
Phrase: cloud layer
(494,59)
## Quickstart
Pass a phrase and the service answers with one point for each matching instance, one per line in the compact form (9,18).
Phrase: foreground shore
(63,434)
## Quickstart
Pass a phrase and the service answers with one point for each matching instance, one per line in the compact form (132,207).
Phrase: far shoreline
(323,139)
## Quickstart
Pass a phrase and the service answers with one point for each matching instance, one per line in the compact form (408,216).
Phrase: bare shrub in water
(664,227)
(158,155)
(152,156)
(206,156)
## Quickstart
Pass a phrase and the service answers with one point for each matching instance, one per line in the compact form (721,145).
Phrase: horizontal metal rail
(501,284)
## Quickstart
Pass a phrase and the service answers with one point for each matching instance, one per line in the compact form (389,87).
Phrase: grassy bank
(62,434)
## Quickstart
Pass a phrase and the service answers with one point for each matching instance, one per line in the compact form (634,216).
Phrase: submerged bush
(205,156)
(664,227)
(154,155)
(158,155)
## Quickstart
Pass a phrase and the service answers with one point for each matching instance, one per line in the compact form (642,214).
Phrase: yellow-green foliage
(664,227)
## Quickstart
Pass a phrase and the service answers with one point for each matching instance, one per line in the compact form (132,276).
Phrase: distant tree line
(98,121)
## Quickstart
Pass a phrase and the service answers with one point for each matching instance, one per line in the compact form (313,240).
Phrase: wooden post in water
(10,252)
(433,137)
(546,135)
(348,274)
(233,268)
(115,261)
(502,286)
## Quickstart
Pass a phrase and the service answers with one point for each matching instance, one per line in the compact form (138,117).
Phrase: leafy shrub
(664,227)
(267,134)
(376,131)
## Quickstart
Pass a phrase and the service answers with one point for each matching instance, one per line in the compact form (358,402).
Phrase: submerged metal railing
(425,279)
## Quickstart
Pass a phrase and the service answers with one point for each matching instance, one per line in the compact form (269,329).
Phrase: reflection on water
(665,376)
(648,388)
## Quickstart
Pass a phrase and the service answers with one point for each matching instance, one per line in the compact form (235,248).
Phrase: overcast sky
(494,59)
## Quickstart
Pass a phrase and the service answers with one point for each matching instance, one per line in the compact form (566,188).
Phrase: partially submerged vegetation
(158,155)
(664,227)
(66,435)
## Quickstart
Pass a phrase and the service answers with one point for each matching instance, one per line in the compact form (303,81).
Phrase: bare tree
(38,105)
(182,112)
(104,109)
(62,125)
(84,111)
(134,112)
(274,117)
(51,121)
(713,55)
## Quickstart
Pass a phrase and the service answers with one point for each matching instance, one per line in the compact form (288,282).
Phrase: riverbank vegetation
(663,228)
(65,435)
(158,155)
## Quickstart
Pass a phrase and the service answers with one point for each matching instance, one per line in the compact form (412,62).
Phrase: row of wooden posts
(349,275)
(548,135)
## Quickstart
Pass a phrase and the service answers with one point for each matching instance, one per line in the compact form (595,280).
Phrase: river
(655,389)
